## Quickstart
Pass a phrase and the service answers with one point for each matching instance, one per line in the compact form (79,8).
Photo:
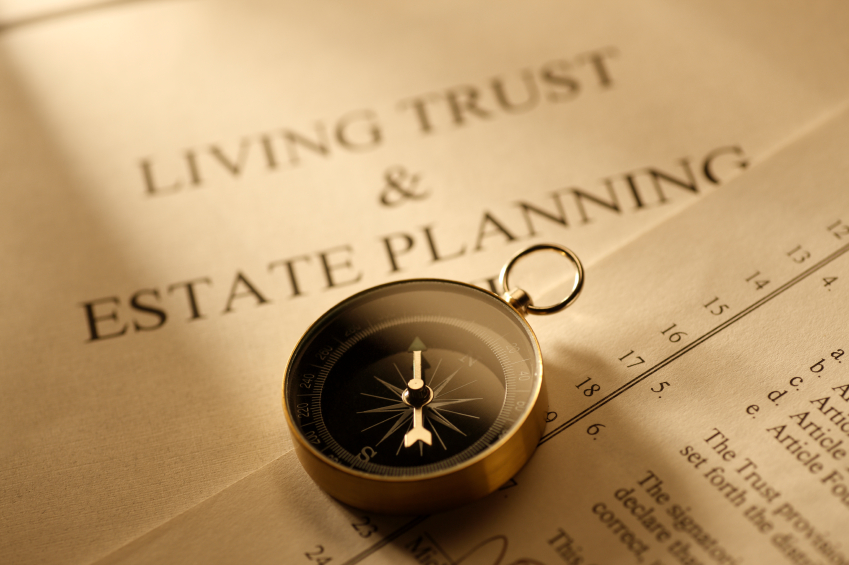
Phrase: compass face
(412,379)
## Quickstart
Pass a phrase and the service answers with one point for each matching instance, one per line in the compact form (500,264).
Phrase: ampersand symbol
(401,186)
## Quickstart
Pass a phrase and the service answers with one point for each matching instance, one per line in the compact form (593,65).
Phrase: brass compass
(420,395)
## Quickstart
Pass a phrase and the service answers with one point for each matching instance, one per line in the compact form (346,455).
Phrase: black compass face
(412,378)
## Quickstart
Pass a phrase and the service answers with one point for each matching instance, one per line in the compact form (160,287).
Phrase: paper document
(187,185)
(699,410)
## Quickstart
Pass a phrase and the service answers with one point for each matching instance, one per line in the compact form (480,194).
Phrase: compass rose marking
(402,419)
(433,376)
(402,439)
(393,388)
(460,413)
(437,417)
(436,409)
(459,387)
(398,407)
(437,435)
(380,397)
(403,380)
(380,422)
(441,385)
(448,401)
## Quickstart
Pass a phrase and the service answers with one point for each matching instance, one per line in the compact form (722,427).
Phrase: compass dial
(412,380)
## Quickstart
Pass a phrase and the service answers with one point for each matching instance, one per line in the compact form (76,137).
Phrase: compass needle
(418,431)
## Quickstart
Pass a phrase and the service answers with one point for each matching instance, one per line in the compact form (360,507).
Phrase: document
(187,186)
(699,410)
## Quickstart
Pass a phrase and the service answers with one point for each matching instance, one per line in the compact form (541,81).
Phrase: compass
(419,395)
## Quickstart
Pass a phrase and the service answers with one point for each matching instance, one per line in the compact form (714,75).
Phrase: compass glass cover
(346,381)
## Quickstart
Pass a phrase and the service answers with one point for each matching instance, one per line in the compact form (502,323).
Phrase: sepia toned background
(187,185)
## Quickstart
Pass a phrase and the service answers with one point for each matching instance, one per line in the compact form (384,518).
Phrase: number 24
(314,555)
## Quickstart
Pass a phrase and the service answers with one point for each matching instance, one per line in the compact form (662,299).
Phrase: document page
(698,410)
(188,185)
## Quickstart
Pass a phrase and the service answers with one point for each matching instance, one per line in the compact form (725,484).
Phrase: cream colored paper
(727,444)
(104,439)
